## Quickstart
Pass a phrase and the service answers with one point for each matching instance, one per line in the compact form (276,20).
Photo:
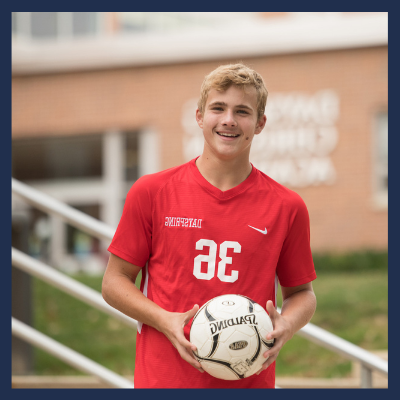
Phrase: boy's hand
(282,333)
(172,328)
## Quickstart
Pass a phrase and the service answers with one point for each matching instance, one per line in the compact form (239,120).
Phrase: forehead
(234,96)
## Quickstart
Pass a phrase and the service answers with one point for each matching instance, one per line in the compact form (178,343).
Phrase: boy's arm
(120,292)
(298,307)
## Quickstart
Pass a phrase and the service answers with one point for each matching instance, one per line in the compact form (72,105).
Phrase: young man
(213,226)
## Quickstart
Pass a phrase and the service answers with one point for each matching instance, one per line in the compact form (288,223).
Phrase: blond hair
(234,74)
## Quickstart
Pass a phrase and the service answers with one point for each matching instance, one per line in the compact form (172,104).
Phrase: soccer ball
(230,332)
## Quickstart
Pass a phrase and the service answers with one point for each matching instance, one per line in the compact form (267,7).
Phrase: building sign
(295,146)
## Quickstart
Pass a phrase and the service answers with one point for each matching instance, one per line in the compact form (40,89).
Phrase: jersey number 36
(211,257)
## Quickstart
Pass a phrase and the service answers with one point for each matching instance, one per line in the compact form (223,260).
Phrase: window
(80,243)
(131,157)
(170,21)
(70,157)
(92,173)
(84,23)
(57,158)
(151,21)
(55,25)
(380,156)
(44,24)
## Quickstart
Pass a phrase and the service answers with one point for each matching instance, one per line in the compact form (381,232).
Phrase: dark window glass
(131,157)
(57,158)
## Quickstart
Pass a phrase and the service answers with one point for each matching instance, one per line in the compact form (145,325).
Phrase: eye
(242,111)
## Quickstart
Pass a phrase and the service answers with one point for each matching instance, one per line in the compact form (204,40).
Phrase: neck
(223,174)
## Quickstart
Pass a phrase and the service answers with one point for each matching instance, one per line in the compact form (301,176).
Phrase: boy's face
(230,122)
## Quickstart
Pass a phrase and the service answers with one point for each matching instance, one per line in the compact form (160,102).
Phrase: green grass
(352,305)
(82,328)
(362,261)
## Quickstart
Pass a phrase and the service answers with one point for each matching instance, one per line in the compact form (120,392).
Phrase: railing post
(21,305)
(366,376)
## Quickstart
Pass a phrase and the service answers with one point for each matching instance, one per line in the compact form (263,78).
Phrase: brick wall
(342,215)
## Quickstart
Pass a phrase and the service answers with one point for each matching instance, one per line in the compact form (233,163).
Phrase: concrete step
(89,382)
(319,383)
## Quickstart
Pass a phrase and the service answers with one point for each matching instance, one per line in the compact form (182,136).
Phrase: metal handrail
(68,355)
(347,349)
(49,204)
(63,282)
(102,231)
(68,285)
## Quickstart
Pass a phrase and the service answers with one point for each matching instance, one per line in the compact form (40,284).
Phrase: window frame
(380,161)
(22,26)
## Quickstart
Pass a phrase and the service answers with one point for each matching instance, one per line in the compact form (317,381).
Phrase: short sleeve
(132,239)
(295,265)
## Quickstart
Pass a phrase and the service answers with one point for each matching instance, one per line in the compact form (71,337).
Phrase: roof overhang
(272,37)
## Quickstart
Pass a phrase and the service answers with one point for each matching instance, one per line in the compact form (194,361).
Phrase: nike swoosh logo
(264,232)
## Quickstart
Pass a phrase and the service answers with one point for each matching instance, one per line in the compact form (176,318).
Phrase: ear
(199,118)
(260,124)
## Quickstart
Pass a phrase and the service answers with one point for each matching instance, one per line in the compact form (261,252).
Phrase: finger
(275,334)
(273,315)
(267,363)
(271,309)
(180,337)
(185,350)
(272,352)
(188,356)
(191,313)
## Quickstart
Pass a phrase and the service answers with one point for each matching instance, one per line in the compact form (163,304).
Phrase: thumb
(191,313)
(273,314)
(271,309)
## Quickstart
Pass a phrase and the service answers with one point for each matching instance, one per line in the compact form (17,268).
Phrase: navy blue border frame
(199,394)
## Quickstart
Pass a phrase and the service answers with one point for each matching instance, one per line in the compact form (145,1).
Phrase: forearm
(298,309)
(120,292)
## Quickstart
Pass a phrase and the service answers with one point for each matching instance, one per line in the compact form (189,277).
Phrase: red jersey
(197,242)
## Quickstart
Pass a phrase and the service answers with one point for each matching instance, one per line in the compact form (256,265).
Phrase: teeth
(227,134)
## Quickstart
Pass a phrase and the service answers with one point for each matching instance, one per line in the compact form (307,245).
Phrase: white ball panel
(230,318)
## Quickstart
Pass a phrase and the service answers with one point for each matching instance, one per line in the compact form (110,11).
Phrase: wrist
(161,320)
(290,325)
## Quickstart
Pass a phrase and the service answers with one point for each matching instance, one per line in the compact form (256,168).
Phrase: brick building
(90,115)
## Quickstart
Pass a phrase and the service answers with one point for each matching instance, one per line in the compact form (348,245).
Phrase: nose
(228,119)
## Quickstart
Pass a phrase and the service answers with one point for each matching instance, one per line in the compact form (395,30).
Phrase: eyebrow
(221,103)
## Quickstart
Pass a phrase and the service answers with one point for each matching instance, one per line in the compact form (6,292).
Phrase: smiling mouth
(230,135)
